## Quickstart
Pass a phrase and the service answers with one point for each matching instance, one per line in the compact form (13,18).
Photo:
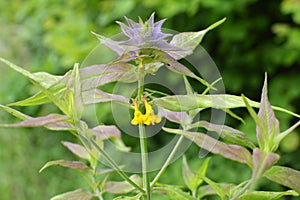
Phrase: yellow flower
(148,118)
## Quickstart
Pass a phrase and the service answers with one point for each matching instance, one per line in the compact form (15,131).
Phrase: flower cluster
(148,118)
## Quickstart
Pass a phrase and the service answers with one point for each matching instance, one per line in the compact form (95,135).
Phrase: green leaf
(262,161)
(263,195)
(73,94)
(36,81)
(285,176)
(174,193)
(207,190)
(39,121)
(122,187)
(233,152)
(190,40)
(227,133)
(79,194)
(136,197)
(187,173)
(78,150)
(14,112)
(182,103)
(197,179)
(65,163)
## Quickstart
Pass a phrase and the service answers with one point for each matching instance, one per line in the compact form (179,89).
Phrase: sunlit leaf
(77,149)
(263,195)
(14,112)
(123,187)
(207,190)
(79,194)
(285,176)
(177,117)
(65,163)
(227,133)
(230,151)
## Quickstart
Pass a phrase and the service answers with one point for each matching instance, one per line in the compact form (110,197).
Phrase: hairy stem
(168,161)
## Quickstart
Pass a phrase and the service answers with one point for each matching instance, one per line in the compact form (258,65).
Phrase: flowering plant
(146,51)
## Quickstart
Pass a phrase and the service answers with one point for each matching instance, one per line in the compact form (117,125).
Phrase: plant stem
(168,161)
(145,163)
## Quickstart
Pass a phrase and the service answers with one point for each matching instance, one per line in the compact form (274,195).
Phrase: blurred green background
(258,36)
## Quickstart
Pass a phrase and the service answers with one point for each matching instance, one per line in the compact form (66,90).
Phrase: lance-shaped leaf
(285,176)
(190,40)
(182,103)
(177,117)
(193,181)
(263,195)
(37,82)
(98,96)
(78,150)
(73,94)
(14,112)
(122,187)
(57,88)
(136,197)
(286,133)
(266,134)
(262,161)
(174,193)
(39,121)
(110,132)
(79,194)
(227,133)
(97,75)
(175,66)
(66,163)
(233,152)
(207,190)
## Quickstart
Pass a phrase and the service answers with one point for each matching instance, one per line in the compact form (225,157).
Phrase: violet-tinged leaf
(227,133)
(285,176)
(80,194)
(66,163)
(263,195)
(177,117)
(266,114)
(190,40)
(123,187)
(61,126)
(113,45)
(175,66)
(262,161)
(97,75)
(110,132)
(233,152)
(39,121)
(78,150)
(98,96)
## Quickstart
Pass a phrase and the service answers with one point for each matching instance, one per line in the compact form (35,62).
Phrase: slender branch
(168,161)
(113,164)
